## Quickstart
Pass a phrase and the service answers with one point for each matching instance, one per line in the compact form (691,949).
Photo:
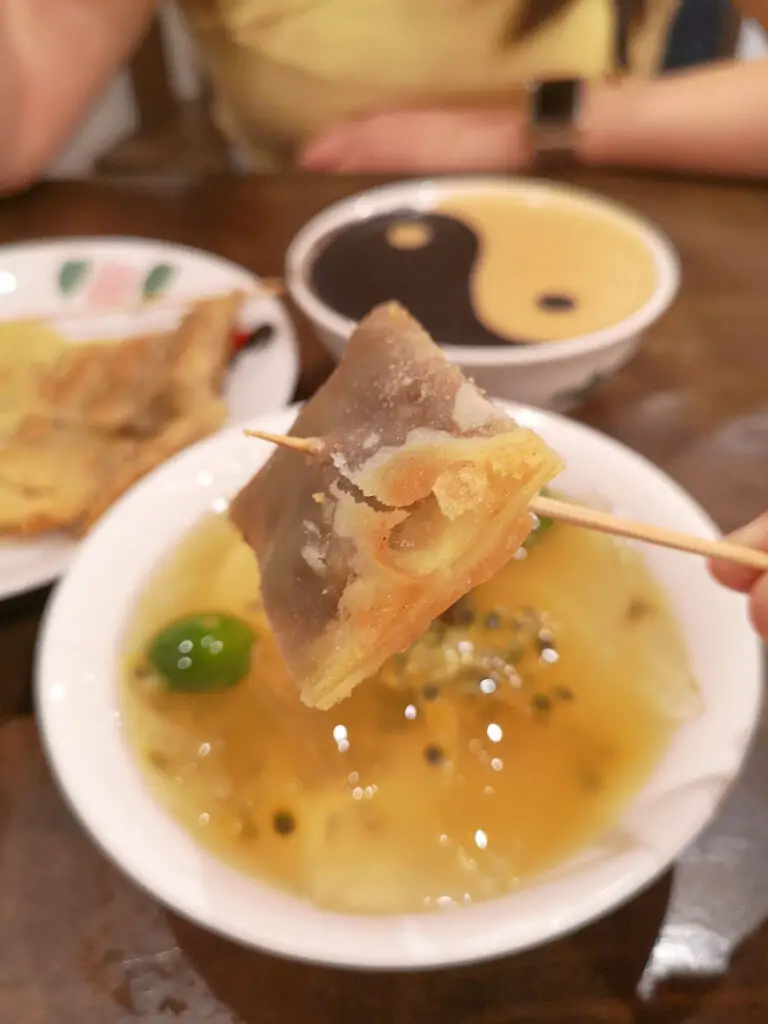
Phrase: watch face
(553,104)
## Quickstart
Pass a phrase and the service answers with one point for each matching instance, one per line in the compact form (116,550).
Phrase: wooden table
(80,945)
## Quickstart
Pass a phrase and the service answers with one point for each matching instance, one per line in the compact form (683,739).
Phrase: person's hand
(748,581)
(424,142)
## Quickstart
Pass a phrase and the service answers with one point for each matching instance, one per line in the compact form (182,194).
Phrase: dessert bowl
(78,692)
(482,262)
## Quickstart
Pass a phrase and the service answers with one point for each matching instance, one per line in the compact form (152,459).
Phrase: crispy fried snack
(421,496)
(106,414)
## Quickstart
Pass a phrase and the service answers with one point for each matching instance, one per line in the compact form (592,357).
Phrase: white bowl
(79,713)
(555,375)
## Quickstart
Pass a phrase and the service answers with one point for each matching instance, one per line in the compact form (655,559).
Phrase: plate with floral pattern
(100,289)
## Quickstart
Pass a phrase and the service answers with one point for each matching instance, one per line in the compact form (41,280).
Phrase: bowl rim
(285,925)
(423,194)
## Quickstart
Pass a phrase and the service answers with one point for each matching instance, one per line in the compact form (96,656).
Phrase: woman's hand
(424,142)
(749,581)
(710,120)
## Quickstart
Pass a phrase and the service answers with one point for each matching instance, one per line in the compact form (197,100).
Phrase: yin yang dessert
(490,268)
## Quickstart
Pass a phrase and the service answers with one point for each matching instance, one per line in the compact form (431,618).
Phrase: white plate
(63,278)
(77,690)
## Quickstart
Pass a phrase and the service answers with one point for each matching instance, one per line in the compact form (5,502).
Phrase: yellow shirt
(285,70)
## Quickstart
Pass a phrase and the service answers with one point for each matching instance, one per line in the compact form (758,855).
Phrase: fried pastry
(421,494)
(50,473)
(109,386)
(104,415)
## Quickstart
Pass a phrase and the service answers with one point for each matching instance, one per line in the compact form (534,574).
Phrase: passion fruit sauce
(500,743)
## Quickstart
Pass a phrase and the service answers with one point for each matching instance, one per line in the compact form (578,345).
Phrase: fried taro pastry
(104,415)
(418,493)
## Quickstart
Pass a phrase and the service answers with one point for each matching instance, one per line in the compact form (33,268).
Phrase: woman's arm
(712,120)
(55,55)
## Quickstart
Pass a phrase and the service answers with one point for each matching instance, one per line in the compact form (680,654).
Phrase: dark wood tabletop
(80,945)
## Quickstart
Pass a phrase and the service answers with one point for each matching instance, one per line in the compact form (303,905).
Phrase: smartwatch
(555,106)
(554,109)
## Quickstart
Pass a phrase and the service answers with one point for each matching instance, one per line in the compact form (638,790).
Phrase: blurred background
(153,117)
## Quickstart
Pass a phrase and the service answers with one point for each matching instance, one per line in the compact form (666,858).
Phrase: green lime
(202,653)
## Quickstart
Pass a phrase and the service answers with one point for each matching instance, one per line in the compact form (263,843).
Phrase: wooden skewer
(578,515)
(605,522)
(304,445)
(271,286)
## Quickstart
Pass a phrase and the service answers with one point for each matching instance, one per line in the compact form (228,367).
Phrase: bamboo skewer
(605,522)
(268,287)
(578,515)
(303,445)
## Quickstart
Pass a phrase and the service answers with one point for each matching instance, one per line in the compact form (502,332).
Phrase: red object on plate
(239,340)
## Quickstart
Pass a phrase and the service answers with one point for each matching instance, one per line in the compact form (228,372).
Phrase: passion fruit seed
(541,703)
(284,823)
(433,754)
(564,693)
(638,609)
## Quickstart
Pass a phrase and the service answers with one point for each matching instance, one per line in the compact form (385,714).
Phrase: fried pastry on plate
(50,474)
(109,385)
(137,384)
(420,496)
(106,414)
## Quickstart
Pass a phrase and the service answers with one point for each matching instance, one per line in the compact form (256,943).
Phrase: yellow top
(285,70)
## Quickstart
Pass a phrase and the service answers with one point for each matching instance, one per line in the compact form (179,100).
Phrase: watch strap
(554,108)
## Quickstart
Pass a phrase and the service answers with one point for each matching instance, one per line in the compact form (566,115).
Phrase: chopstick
(269,286)
(578,515)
